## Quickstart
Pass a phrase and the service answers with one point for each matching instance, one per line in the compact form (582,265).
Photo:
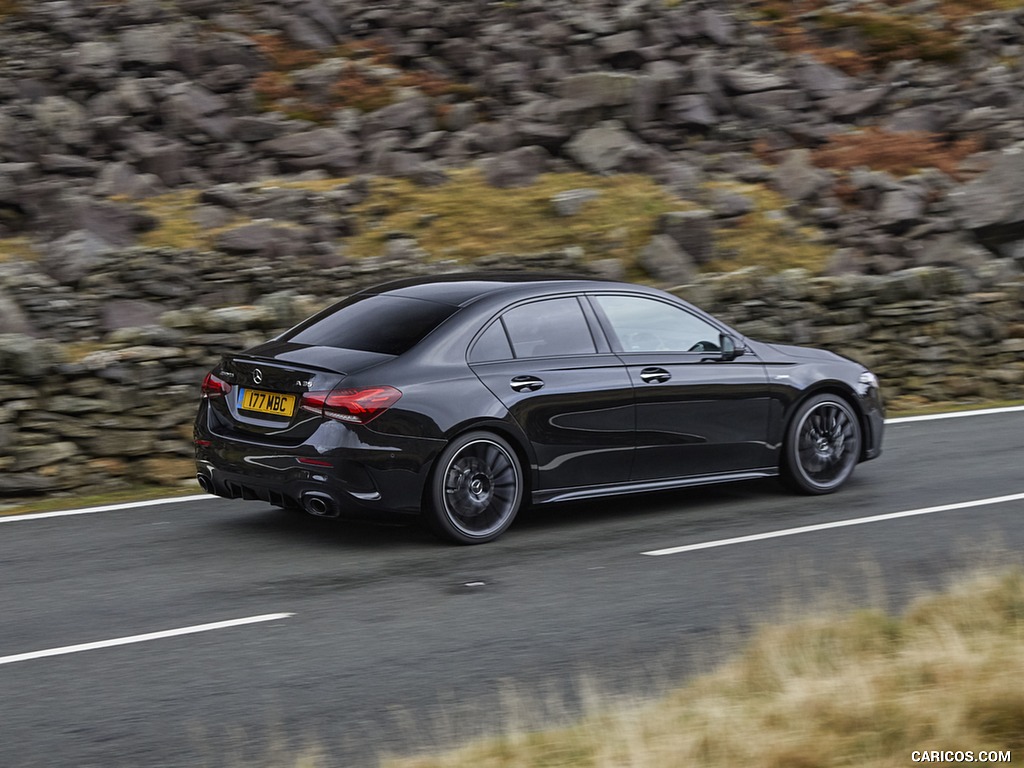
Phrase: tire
(476,489)
(823,443)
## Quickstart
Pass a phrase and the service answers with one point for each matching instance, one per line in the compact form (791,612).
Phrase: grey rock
(12,318)
(130,313)
(25,484)
(25,358)
(666,262)
(599,89)
(996,198)
(752,81)
(857,103)
(263,238)
(900,208)
(64,120)
(517,168)
(608,148)
(571,202)
(692,231)
(151,45)
(693,111)
(260,128)
(820,80)
(798,179)
(325,149)
(71,257)
(729,205)
(717,25)
(161,156)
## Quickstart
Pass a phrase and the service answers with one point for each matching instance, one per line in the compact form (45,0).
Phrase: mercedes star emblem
(257,376)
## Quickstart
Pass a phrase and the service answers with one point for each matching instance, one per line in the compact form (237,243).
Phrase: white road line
(837,524)
(143,638)
(107,508)
(956,414)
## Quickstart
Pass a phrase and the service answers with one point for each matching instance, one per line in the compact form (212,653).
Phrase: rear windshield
(384,324)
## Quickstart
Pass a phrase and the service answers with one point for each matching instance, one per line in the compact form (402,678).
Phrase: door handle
(654,375)
(526,383)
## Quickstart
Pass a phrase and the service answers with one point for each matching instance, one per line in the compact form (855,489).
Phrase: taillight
(354,406)
(215,387)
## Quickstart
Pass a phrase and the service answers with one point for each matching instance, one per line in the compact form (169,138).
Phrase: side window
(549,328)
(648,325)
(492,345)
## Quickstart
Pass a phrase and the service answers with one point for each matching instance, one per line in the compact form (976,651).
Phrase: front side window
(553,327)
(647,325)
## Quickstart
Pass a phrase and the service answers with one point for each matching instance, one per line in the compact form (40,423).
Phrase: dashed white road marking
(142,638)
(835,524)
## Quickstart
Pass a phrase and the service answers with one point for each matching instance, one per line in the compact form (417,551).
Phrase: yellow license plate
(266,402)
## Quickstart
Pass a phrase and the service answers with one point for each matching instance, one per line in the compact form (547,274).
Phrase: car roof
(461,289)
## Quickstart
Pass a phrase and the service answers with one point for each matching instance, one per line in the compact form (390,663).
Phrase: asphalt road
(373,637)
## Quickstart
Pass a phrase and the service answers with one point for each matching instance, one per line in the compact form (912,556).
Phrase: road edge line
(105,508)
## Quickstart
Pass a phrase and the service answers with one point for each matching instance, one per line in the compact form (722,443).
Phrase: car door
(697,411)
(561,383)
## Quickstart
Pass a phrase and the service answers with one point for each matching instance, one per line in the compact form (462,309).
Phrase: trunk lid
(267,385)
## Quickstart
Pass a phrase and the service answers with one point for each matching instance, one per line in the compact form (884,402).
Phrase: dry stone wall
(104,414)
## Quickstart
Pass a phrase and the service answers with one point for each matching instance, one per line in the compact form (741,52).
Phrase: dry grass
(765,237)
(863,689)
(18,249)
(467,218)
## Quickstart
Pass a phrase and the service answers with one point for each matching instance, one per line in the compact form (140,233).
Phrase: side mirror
(728,346)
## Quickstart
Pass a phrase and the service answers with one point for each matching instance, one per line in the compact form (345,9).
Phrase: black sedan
(463,397)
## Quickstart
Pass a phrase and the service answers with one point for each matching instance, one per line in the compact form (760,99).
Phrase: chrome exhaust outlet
(204,482)
(320,504)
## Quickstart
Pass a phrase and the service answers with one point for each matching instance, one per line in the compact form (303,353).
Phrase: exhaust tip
(204,482)
(320,504)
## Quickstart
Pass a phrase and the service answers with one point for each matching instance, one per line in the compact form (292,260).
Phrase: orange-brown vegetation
(369,79)
(897,153)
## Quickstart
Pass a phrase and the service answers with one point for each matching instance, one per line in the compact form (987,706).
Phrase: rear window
(383,324)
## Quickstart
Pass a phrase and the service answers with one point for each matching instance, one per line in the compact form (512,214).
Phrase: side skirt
(622,489)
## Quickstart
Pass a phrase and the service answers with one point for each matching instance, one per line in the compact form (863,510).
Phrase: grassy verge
(859,689)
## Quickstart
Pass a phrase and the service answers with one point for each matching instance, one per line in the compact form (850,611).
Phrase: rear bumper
(346,468)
